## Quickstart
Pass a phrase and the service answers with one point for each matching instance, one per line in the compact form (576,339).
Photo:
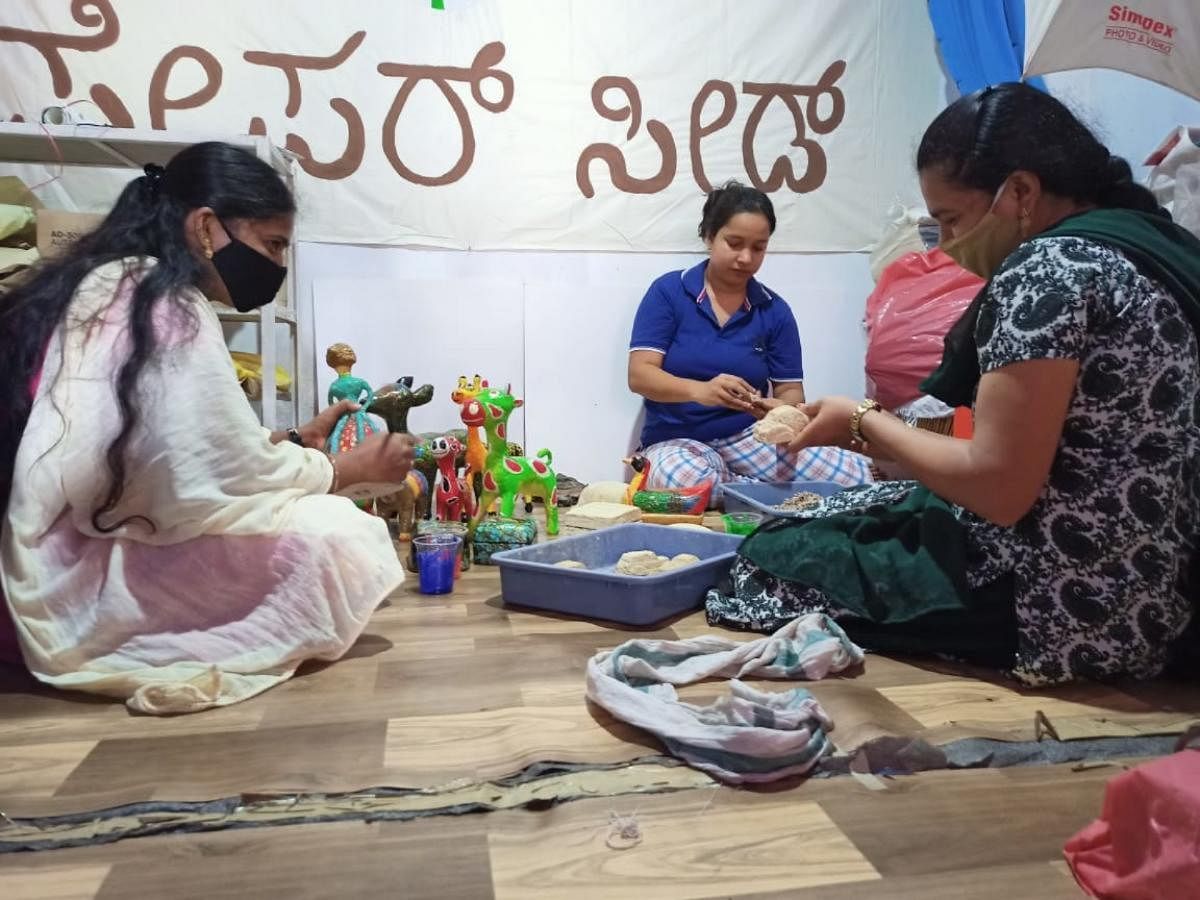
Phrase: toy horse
(507,476)
(403,508)
(392,402)
(453,498)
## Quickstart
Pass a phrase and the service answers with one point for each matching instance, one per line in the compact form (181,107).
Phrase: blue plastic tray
(763,497)
(528,576)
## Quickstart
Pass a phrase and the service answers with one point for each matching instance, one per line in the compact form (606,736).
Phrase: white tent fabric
(517,124)
(1154,39)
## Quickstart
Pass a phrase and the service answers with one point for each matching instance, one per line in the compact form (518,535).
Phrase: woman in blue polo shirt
(710,340)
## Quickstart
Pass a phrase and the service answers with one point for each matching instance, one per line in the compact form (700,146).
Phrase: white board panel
(434,330)
(578,402)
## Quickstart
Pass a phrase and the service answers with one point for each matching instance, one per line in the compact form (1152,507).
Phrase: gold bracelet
(857,416)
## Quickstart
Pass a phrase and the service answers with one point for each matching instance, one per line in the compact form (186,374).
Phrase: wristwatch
(293,435)
(857,416)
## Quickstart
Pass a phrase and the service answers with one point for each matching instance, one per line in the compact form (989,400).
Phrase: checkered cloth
(743,458)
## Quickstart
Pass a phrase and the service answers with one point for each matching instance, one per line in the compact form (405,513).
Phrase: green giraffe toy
(507,476)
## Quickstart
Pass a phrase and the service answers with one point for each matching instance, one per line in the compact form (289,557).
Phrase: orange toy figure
(476,452)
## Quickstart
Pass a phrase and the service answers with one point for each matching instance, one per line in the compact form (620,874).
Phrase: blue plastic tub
(529,578)
(765,496)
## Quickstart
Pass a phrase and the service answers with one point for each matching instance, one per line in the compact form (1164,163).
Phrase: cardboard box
(14,192)
(57,230)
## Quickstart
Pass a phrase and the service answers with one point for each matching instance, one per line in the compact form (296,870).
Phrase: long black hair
(731,198)
(146,222)
(982,138)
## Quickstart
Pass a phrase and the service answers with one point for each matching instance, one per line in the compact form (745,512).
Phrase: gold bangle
(857,416)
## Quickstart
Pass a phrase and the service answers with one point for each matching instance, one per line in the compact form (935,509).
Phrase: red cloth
(1146,843)
(917,299)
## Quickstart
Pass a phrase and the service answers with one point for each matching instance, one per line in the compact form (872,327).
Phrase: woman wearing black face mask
(1057,542)
(158,544)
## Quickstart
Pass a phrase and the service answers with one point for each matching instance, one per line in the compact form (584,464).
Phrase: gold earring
(208,253)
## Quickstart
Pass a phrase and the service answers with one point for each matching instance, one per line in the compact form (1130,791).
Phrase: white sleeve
(199,461)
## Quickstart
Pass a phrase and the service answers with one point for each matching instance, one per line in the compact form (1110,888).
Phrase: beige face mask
(982,249)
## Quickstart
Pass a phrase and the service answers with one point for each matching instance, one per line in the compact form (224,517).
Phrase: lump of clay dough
(681,561)
(780,425)
(647,562)
(640,562)
(569,564)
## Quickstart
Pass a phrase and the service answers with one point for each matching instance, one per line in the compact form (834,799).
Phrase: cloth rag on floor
(748,736)
(1146,843)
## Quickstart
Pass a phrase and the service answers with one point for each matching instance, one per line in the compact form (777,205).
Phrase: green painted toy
(507,477)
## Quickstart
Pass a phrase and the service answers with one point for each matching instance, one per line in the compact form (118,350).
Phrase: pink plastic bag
(917,299)
(1146,843)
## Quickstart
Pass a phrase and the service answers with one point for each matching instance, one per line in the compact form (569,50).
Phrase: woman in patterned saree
(1056,542)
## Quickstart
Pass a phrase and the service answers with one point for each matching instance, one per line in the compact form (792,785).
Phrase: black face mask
(251,278)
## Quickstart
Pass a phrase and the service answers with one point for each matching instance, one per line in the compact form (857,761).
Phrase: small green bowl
(742,522)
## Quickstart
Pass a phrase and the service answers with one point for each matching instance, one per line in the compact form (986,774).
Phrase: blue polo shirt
(759,343)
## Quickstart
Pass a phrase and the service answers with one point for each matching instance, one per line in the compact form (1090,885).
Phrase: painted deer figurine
(476,454)
(452,498)
(507,476)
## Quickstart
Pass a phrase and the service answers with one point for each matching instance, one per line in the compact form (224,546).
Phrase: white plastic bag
(1175,178)
(906,231)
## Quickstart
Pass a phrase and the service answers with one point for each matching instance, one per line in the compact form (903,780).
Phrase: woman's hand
(828,425)
(763,405)
(385,456)
(315,434)
(728,391)
(380,458)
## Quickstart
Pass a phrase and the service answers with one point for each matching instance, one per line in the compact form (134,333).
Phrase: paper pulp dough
(647,562)
(780,425)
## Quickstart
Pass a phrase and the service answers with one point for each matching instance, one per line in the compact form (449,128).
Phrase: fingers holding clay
(781,425)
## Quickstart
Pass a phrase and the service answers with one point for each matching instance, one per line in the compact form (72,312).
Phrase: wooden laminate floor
(456,690)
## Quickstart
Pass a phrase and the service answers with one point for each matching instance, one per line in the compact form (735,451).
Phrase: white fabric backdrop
(520,81)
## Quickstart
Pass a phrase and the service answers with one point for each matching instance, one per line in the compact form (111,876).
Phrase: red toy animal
(453,499)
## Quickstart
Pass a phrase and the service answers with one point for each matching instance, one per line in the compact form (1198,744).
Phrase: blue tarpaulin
(982,41)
